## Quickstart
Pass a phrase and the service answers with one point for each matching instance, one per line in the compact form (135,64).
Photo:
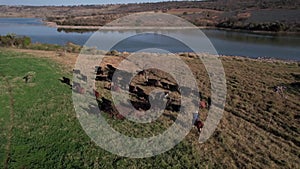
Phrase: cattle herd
(139,88)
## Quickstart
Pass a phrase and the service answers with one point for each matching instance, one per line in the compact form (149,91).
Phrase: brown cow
(199,124)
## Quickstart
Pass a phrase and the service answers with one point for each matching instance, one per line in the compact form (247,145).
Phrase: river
(286,47)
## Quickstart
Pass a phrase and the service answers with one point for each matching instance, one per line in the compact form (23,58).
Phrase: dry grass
(260,128)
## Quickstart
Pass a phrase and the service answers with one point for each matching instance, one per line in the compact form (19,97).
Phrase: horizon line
(97,4)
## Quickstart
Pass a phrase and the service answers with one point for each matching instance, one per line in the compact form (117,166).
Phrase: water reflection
(225,42)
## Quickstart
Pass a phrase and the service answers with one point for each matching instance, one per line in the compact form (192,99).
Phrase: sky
(69,2)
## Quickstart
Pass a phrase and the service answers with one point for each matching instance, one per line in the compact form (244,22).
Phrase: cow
(199,124)
(141,94)
(165,85)
(101,78)
(99,70)
(111,68)
(143,74)
(152,82)
(66,81)
(132,89)
(203,104)
(96,93)
(173,87)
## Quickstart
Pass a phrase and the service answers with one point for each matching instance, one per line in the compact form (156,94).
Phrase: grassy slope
(43,124)
(46,133)
(259,128)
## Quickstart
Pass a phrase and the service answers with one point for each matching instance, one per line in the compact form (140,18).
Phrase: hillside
(253,15)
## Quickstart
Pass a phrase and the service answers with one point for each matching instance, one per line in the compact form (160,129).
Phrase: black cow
(99,70)
(66,81)
(111,68)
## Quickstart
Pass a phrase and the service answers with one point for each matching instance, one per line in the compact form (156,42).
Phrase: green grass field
(39,128)
(45,132)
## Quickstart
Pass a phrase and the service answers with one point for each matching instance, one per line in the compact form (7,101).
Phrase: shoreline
(181,54)
(88,28)
(95,28)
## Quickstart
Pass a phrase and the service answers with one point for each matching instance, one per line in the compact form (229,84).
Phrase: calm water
(225,42)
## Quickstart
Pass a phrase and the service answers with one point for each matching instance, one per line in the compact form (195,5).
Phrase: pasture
(39,128)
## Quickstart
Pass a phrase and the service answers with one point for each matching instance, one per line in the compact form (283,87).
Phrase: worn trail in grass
(11,120)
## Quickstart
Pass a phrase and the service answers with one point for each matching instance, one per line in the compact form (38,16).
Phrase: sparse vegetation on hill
(261,15)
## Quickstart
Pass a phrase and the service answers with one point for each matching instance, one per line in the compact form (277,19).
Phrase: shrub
(12,40)
(26,41)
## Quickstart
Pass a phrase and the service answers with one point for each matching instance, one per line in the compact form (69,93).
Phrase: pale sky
(69,2)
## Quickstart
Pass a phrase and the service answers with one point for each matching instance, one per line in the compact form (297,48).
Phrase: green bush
(12,40)
(26,41)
